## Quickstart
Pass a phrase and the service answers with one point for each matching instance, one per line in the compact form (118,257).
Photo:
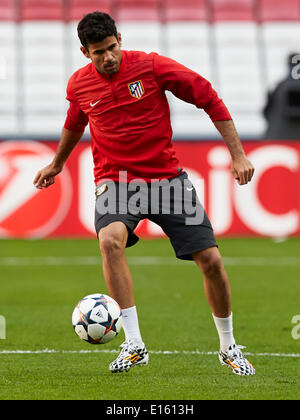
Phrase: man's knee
(112,240)
(210,261)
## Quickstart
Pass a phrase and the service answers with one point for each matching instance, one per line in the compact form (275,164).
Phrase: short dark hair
(95,27)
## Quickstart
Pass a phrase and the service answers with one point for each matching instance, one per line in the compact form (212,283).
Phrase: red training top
(129,115)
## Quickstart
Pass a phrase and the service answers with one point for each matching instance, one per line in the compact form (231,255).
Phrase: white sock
(131,324)
(225,330)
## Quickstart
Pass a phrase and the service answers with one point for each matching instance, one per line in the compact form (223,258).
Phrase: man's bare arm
(241,168)
(46,177)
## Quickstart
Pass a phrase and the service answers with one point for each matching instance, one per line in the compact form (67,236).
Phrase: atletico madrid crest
(136,89)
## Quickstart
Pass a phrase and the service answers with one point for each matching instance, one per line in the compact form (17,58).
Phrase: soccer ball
(97,319)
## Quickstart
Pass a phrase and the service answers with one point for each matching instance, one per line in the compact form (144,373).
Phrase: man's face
(105,55)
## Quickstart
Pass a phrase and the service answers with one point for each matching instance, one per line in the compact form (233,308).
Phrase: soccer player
(121,94)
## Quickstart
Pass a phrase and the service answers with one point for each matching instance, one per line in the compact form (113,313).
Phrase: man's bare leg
(117,275)
(216,283)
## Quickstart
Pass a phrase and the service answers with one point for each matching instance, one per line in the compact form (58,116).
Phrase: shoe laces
(235,351)
(127,346)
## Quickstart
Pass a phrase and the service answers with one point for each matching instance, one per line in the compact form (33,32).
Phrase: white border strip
(144,260)
(164,352)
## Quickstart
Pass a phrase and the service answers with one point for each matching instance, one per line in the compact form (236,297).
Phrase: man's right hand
(46,176)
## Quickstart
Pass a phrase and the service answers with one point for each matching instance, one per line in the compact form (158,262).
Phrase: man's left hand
(242,169)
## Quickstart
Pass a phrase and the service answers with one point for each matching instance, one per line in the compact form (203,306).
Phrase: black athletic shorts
(172,204)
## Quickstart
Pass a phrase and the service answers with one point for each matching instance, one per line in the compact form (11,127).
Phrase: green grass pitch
(42,280)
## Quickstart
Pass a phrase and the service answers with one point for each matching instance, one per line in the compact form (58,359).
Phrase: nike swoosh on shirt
(95,103)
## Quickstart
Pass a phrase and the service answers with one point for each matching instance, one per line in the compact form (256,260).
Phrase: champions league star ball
(97,319)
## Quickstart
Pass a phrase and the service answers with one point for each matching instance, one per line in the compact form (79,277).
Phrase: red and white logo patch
(25,211)
(136,89)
